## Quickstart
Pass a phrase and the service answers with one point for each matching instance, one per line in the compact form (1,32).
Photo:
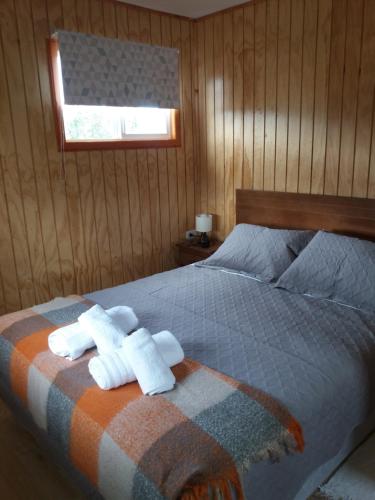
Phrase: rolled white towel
(113,370)
(72,341)
(153,374)
(105,331)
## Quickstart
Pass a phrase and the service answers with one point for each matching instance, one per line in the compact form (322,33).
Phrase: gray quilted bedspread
(316,357)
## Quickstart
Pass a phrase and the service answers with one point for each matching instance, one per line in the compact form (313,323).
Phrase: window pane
(143,121)
(92,123)
(113,123)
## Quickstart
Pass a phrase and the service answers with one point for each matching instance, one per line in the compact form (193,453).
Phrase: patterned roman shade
(108,72)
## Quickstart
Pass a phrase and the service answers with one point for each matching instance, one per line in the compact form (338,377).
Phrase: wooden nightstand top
(194,249)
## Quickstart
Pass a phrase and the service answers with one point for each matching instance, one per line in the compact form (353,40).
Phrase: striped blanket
(196,441)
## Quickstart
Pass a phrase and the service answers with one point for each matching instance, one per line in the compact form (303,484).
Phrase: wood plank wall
(277,95)
(88,220)
(285,101)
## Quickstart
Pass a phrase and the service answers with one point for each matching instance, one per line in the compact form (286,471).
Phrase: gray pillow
(335,267)
(258,251)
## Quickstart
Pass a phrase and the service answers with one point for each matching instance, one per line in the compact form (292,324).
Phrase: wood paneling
(276,95)
(301,100)
(338,214)
(81,221)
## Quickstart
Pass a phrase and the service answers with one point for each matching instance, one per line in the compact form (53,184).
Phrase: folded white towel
(113,370)
(153,374)
(72,341)
(105,331)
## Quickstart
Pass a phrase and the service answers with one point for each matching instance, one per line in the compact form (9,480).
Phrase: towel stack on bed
(197,441)
(122,358)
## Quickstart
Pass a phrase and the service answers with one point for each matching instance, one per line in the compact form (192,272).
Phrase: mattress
(314,356)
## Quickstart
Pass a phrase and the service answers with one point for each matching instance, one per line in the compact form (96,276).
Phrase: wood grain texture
(303,100)
(338,214)
(82,221)
(244,98)
(27,471)
(276,95)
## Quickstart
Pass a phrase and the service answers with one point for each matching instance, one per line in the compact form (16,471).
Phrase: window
(105,127)
(105,123)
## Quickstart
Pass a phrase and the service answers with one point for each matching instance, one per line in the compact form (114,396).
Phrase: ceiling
(188,8)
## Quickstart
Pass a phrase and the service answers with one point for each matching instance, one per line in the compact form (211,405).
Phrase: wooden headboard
(351,216)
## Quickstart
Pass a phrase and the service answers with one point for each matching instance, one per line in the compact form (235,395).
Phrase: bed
(315,356)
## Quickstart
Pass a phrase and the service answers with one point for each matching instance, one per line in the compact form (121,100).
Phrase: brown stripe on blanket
(74,380)
(26,327)
(9,319)
(195,461)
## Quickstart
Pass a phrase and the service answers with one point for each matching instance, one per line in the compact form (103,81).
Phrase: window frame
(89,145)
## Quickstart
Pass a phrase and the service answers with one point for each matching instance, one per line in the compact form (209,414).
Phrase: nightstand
(189,251)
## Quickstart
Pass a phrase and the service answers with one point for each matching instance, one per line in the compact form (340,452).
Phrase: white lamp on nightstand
(203,224)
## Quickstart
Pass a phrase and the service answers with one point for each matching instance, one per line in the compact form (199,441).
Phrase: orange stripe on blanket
(215,488)
(93,412)
(185,368)
(96,409)
(22,356)
(102,406)
(85,436)
(157,415)
(34,344)
(19,374)
(295,428)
